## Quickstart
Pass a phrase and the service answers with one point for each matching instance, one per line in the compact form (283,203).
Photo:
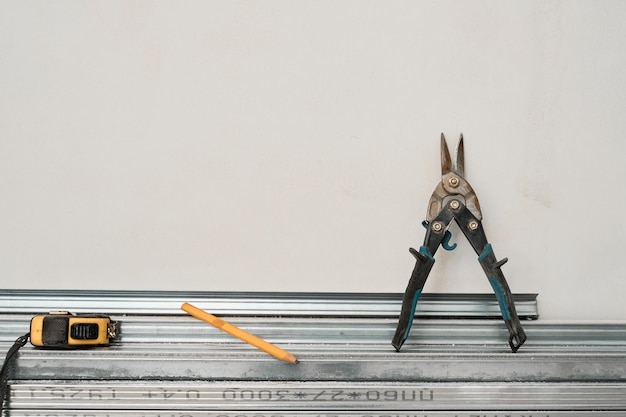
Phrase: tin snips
(454,199)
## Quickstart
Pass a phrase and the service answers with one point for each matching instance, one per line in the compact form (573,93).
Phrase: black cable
(8,360)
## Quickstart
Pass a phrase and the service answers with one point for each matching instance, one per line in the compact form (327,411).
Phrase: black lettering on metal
(406,397)
(265,395)
(166,395)
(229,394)
(75,392)
(280,395)
(318,395)
(390,395)
(94,394)
(57,392)
(372,395)
(336,395)
(246,394)
(427,395)
(192,394)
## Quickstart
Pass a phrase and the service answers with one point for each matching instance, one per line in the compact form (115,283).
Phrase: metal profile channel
(346,350)
(327,396)
(303,413)
(260,303)
(168,364)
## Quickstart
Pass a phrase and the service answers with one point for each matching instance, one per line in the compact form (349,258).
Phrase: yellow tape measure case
(67,330)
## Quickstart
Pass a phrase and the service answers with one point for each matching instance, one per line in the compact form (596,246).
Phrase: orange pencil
(232,330)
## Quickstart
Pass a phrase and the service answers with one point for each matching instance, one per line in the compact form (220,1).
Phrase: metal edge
(315,304)
(321,396)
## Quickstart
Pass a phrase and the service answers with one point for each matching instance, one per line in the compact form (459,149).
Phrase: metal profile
(168,364)
(340,350)
(305,413)
(322,396)
(367,333)
(260,303)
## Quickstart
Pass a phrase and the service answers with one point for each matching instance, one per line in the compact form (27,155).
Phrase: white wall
(278,145)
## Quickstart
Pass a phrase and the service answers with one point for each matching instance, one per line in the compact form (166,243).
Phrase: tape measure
(64,330)
(60,330)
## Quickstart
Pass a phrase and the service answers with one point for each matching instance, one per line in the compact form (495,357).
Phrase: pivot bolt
(437,226)
(454,204)
(472,225)
(453,182)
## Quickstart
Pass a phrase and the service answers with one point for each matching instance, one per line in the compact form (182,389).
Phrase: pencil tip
(290,357)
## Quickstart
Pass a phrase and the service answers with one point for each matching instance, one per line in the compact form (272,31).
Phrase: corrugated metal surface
(259,303)
(169,364)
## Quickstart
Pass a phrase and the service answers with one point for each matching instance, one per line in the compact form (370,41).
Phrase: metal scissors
(454,199)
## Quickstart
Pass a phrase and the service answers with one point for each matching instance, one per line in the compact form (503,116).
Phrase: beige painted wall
(278,145)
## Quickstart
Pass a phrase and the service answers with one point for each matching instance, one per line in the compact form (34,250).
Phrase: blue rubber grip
(504,306)
(408,327)
(488,249)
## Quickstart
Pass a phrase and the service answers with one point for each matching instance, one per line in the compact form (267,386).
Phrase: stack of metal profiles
(456,363)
